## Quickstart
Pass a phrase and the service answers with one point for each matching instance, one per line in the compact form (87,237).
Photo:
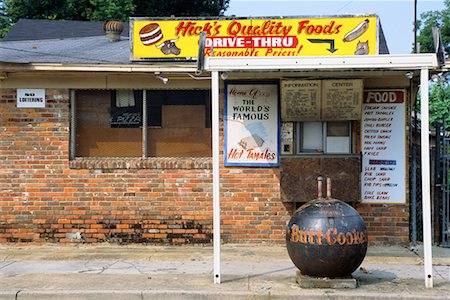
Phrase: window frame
(348,136)
(324,139)
(144,124)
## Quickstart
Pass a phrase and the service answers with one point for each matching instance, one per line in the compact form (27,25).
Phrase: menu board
(341,99)
(300,100)
(383,147)
(252,131)
(321,100)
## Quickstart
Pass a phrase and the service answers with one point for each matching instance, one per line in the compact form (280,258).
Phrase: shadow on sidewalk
(365,277)
(261,274)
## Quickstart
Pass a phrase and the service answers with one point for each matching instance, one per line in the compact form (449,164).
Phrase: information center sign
(251,124)
(383,147)
(316,100)
(301,100)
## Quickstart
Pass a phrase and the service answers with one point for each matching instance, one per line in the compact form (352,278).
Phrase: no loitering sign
(31,98)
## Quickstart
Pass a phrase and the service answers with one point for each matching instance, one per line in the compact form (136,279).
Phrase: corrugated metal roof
(26,29)
(93,50)
(383,47)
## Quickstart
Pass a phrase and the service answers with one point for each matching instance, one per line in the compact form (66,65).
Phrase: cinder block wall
(45,197)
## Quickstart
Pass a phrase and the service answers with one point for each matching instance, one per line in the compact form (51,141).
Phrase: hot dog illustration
(357,32)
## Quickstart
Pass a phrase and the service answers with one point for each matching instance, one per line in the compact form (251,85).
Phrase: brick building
(96,147)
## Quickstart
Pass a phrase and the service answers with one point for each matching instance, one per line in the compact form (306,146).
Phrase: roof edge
(57,67)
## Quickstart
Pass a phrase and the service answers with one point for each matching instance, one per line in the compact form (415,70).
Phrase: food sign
(383,147)
(162,39)
(251,124)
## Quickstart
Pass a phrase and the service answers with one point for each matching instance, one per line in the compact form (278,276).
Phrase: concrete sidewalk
(185,272)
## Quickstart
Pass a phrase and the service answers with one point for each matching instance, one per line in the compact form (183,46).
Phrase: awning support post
(144,124)
(425,159)
(215,171)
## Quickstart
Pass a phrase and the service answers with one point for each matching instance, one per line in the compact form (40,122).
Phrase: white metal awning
(410,62)
(388,62)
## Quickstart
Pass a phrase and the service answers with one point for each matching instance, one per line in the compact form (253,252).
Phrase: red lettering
(341,238)
(305,27)
(311,234)
(208,28)
(294,234)
(303,237)
(183,28)
(356,237)
(329,239)
(328,29)
(332,236)
(349,238)
(319,237)
(267,28)
(191,28)
(301,26)
(363,237)
(318,29)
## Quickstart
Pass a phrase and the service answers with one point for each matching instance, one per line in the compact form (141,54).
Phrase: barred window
(110,123)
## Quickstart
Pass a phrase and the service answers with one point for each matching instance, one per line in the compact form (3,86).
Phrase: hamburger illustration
(150,34)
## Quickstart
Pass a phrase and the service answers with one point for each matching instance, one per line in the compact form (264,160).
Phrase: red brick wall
(44,200)
(386,224)
(44,197)
(252,202)
(33,152)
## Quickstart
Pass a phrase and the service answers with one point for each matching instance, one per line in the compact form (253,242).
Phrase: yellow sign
(162,39)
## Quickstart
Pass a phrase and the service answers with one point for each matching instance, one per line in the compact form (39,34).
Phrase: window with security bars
(109,123)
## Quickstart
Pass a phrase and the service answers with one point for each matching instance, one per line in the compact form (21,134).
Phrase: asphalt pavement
(250,271)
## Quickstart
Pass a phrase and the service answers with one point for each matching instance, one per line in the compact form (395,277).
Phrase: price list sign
(383,147)
(341,99)
(301,100)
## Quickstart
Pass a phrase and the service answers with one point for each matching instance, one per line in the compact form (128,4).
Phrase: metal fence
(440,189)
(416,224)
(443,163)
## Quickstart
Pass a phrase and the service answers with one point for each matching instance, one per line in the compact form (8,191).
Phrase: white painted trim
(425,157)
(216,178)
(125,68)
(144,125)
(406,62)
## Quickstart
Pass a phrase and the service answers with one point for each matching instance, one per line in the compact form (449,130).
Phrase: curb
(208,295)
